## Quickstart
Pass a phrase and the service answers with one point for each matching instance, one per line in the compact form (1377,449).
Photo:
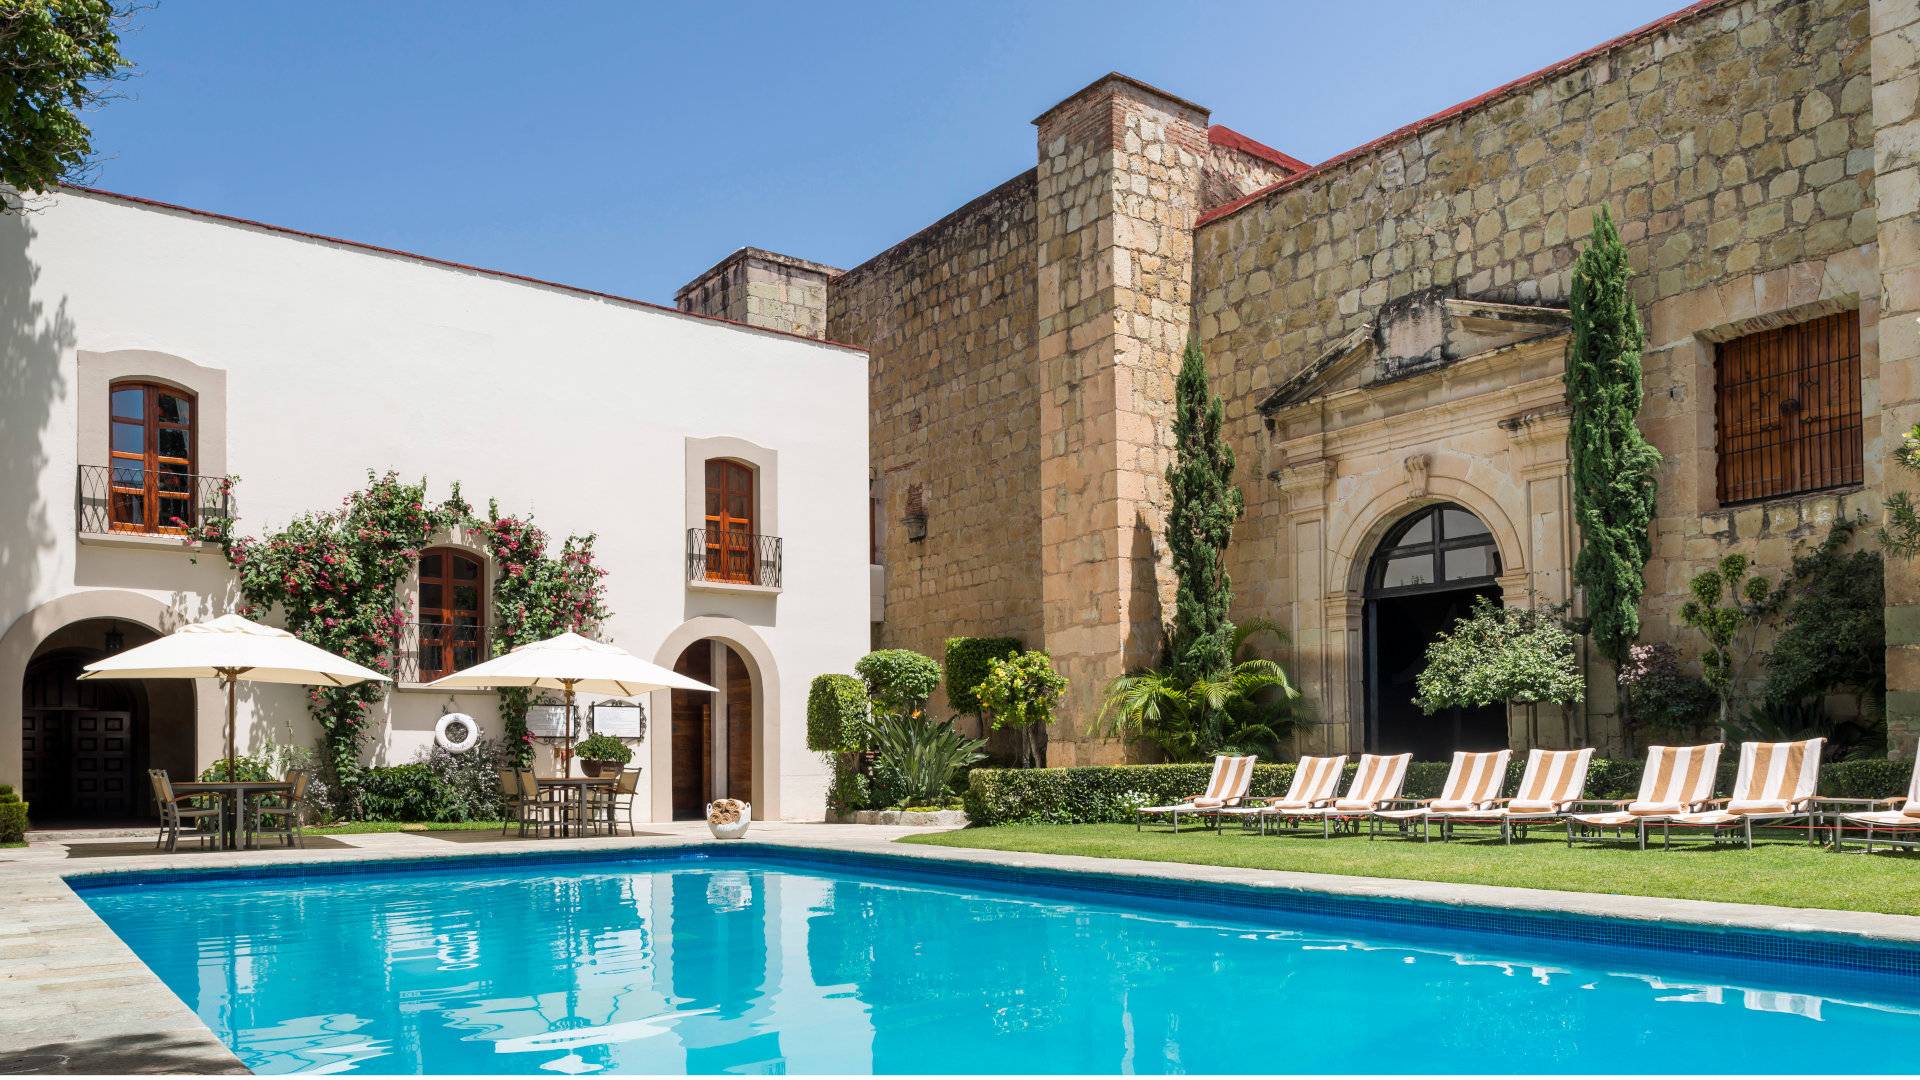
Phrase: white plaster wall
(569,407)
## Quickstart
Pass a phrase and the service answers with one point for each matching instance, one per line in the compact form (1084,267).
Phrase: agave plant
(923,753)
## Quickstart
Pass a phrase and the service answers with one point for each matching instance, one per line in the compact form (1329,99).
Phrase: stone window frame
(95,374)
(466,541)
(765,464)
(1701,357)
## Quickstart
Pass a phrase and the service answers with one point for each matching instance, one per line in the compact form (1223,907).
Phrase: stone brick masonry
(1760,156)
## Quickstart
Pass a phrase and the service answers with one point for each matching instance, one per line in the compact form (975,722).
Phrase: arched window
(452,612)
(730,541)
(1440,548)
(150,455)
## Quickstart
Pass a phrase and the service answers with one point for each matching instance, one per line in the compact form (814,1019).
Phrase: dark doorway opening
(1426,574)
(712,733)
(83,745)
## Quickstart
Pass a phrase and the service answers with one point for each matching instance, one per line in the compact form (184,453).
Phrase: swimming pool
(750,958)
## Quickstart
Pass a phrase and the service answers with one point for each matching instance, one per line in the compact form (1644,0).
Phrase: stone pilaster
(1895,51)
(764,289)
(1118,189)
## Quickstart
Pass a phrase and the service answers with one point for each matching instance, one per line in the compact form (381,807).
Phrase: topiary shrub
(967,660)
(13,817)
(898,680)
(836,712)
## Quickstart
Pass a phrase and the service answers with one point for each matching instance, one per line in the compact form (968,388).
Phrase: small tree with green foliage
(1726,602)
(1203,504)
(898,680)
(1900,536)
(56,56)
(836,710)
(1502,655)
(967,659)
(1020,692)
(1614,467)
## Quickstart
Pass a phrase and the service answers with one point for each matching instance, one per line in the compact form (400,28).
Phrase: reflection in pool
(722,966)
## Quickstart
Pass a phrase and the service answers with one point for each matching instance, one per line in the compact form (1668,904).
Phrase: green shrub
(836,711)
(898,680)
(849,790)
(244,768)
(1106,794)
(967,660)
(400,793)
(13,817)
(441,786)
(924,754)
(599,747)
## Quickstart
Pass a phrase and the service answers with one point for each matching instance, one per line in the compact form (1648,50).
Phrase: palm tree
(1252,705)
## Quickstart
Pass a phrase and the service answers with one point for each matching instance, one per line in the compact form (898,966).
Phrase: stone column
(1895,49)
(1118,188)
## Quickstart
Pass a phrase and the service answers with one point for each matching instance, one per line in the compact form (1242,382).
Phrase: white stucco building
(140,342)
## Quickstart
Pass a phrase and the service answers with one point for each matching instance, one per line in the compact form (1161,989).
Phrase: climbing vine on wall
(335,577)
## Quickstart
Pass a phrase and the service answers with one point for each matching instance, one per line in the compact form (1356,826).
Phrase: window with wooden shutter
(730,543)
(1788,409)
(453,612)
(150,458)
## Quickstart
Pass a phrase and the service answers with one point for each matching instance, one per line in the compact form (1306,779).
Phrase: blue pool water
(755,960)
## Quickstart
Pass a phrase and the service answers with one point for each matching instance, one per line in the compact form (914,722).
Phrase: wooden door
(150,457)
(729,521)
(739,729)
(692,723)
(100,751)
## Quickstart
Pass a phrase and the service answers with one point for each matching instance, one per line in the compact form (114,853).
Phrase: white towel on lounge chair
(1776,780)
(1552,783)
(1676,779)
(1904,816)
(1473,784)
(1376,781)
(1228,785)
(1314,782)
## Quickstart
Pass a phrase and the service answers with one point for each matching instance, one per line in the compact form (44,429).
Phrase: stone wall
(947,317)
(1735,147)
(764,289)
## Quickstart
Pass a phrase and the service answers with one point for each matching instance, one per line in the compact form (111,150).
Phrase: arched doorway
(713,733)
(85,746)
(1426,573)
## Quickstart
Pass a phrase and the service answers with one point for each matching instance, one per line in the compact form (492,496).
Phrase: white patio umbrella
(570,663)
(231,648)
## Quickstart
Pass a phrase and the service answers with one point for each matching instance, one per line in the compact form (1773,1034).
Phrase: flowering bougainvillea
(336,579)
(535,596)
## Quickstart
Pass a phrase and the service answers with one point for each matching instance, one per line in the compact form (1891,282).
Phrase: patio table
(580,784)
(233,795)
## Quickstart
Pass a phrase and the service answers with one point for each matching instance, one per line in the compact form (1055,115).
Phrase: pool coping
(65,971)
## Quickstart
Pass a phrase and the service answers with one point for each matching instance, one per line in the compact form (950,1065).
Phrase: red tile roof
(1222,135)
(1418,126)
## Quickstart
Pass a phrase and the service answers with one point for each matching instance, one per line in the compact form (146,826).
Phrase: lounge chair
(1898,825)
(1550,787)
(1677,779)
(1376,782)
(1227,786)
(1473,784)
(173,815)
(1774,787)
(1315,782)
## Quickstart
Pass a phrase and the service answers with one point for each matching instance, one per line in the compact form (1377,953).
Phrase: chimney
(765,289)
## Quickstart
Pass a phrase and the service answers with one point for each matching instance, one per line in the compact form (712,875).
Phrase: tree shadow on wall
(1146,625)
(32,343)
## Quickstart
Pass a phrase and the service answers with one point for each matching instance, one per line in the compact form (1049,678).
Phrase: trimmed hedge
(836,704)
(13,817)
(967,659)
(1099,794)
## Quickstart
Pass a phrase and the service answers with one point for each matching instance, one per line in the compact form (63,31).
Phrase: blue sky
(627,146)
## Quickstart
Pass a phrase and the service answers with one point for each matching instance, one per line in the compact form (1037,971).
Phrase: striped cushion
(1554,779)
(1450,805)
(1776,773)
(1644,809)
(1912,809)
(1758,806)
(1677,777)
(1289,804)
(1205,803)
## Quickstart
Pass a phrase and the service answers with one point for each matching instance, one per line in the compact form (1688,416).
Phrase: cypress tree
(1204,505)
(1613,464)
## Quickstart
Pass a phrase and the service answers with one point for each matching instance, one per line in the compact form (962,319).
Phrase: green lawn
(1776,872)
(411,826)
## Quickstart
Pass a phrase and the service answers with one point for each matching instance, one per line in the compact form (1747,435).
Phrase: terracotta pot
(592,767)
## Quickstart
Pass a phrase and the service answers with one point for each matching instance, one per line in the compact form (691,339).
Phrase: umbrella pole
(570,732)
(233,680)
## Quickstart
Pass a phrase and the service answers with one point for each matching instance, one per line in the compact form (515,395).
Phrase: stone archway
(763,680)
(29,633)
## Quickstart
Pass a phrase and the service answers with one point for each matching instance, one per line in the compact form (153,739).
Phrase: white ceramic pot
(735,830)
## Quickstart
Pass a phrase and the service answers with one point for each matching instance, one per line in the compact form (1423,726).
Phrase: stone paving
(77,1000)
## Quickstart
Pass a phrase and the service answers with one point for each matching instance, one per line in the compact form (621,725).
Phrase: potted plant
(729,818)
(597,752)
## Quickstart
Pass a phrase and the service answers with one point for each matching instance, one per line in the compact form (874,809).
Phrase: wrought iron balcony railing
(429,651)
(738,558)
(129,497)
